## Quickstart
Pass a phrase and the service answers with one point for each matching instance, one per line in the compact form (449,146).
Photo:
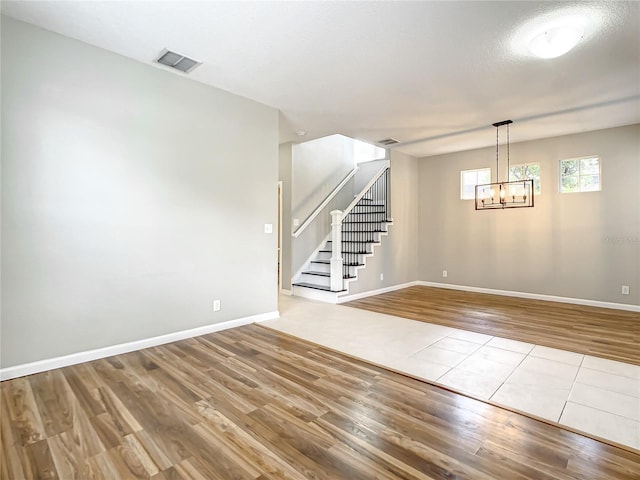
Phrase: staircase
(355,233)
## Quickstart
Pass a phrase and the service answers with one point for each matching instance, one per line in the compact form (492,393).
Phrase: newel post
(336,251)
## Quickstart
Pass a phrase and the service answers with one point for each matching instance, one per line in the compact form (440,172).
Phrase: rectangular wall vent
(177,61)
(387,141)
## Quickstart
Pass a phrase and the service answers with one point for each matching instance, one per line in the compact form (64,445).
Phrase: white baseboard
(507,293)
(533,296)
(284,291)
(98,353)
(263,317)
(370,293)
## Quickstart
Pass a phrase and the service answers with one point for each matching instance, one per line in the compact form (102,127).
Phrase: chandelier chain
(508,160)
(497,155)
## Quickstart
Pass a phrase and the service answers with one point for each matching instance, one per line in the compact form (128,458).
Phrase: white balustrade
(337,280)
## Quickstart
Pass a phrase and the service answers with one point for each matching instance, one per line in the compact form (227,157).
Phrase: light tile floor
(596,396)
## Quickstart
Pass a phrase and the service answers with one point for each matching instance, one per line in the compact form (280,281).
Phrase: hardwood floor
(602,332)
(250,403)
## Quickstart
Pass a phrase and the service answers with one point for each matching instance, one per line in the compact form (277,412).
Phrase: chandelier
(507,194)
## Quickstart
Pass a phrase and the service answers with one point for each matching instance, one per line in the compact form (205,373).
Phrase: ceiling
(434,75)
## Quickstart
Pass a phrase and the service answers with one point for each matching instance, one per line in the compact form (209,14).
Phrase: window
(470,178)
(526,171)
(580,175)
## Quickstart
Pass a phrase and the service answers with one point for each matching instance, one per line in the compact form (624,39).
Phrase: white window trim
(462,172)
(579,174)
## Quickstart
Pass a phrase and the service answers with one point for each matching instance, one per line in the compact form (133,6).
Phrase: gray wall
(580,245)
(131,198)
(397,257)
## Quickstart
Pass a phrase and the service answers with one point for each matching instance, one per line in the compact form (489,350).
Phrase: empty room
(320,240)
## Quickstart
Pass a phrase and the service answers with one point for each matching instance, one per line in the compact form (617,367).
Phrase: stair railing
(379,192)
(367,189)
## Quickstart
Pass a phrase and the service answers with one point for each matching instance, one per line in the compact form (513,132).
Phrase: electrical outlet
(382,276)
(268,228)
(216,305)
(296,222)
(444,274)
(625,289)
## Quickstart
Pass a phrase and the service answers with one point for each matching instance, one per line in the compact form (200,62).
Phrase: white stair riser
(329,297)
(323,256)
(320,267)
(316,280)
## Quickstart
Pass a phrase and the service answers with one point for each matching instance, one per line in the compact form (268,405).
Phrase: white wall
(579,245)
(366,171)
(318,166)
(131,198)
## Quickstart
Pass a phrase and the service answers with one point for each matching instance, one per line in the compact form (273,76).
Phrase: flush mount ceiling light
(558,29)
(500,195)
(555,41)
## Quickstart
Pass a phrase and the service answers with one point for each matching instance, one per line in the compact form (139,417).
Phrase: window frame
(580,175)
(462,184)
(534,180)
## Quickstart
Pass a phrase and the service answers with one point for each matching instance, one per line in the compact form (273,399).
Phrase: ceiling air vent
(387,141)
(177,61)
